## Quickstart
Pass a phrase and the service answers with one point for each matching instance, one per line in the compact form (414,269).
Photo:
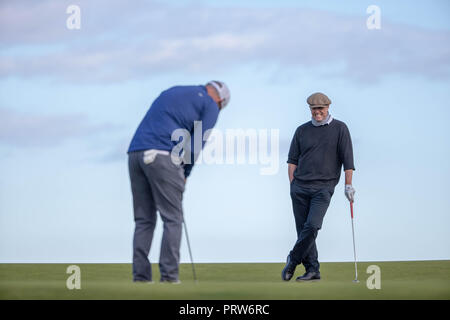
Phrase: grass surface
(228,281)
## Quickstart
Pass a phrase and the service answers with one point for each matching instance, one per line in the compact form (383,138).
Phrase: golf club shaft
(190,252)
(354,247)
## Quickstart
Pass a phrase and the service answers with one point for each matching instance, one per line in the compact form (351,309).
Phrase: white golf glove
(350,192)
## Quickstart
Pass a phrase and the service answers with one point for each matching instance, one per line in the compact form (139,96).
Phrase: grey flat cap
(318,99)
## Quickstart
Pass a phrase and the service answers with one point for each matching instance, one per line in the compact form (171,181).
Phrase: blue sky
(70,101)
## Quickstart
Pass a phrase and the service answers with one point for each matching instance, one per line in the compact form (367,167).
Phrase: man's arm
(348,176)
(346,156)
(293,155)
(291,169)
(208,120)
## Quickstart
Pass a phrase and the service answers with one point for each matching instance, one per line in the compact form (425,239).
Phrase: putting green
(223,281)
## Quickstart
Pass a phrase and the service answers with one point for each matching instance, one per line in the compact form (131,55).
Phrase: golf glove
(350,192)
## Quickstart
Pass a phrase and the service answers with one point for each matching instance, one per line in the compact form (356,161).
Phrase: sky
(71,100)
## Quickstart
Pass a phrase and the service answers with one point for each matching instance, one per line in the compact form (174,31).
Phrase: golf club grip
(351,208)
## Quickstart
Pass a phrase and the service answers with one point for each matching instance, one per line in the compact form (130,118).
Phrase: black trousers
(309,205)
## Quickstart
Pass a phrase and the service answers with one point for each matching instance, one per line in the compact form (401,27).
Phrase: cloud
(25,130)
(119,42)
(44,22)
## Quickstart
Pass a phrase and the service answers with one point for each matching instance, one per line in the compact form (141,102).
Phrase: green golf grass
(228,281)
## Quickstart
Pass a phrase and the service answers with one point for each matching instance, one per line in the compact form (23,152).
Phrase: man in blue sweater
(158,174)
(318,151)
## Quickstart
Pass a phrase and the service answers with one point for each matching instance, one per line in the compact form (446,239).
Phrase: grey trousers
(156,186)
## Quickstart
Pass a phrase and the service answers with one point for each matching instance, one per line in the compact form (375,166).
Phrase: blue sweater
(175,108)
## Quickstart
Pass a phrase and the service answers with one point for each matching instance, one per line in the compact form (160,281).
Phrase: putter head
(356,281)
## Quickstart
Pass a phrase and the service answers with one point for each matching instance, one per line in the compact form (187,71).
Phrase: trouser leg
(300,205)
(170,245)
(167,182)
(311,260)
(305,249)
(145,220)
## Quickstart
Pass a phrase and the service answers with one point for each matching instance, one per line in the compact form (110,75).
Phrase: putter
(354,248)
(190,253)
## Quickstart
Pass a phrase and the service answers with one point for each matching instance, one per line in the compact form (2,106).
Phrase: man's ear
(219,103)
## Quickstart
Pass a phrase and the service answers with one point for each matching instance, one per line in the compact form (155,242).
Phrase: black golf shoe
(309,276)
(288,270)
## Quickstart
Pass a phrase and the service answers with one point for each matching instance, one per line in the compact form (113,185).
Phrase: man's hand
(350,192)
(291,169)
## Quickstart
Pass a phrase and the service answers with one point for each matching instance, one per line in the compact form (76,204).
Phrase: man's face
(319,113)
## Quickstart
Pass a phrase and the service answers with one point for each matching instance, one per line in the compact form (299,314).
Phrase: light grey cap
(222,91)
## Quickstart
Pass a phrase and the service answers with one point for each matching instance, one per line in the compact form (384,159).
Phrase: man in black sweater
(318,150)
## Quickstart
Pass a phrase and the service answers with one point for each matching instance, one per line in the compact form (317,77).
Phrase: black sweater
(320,152)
